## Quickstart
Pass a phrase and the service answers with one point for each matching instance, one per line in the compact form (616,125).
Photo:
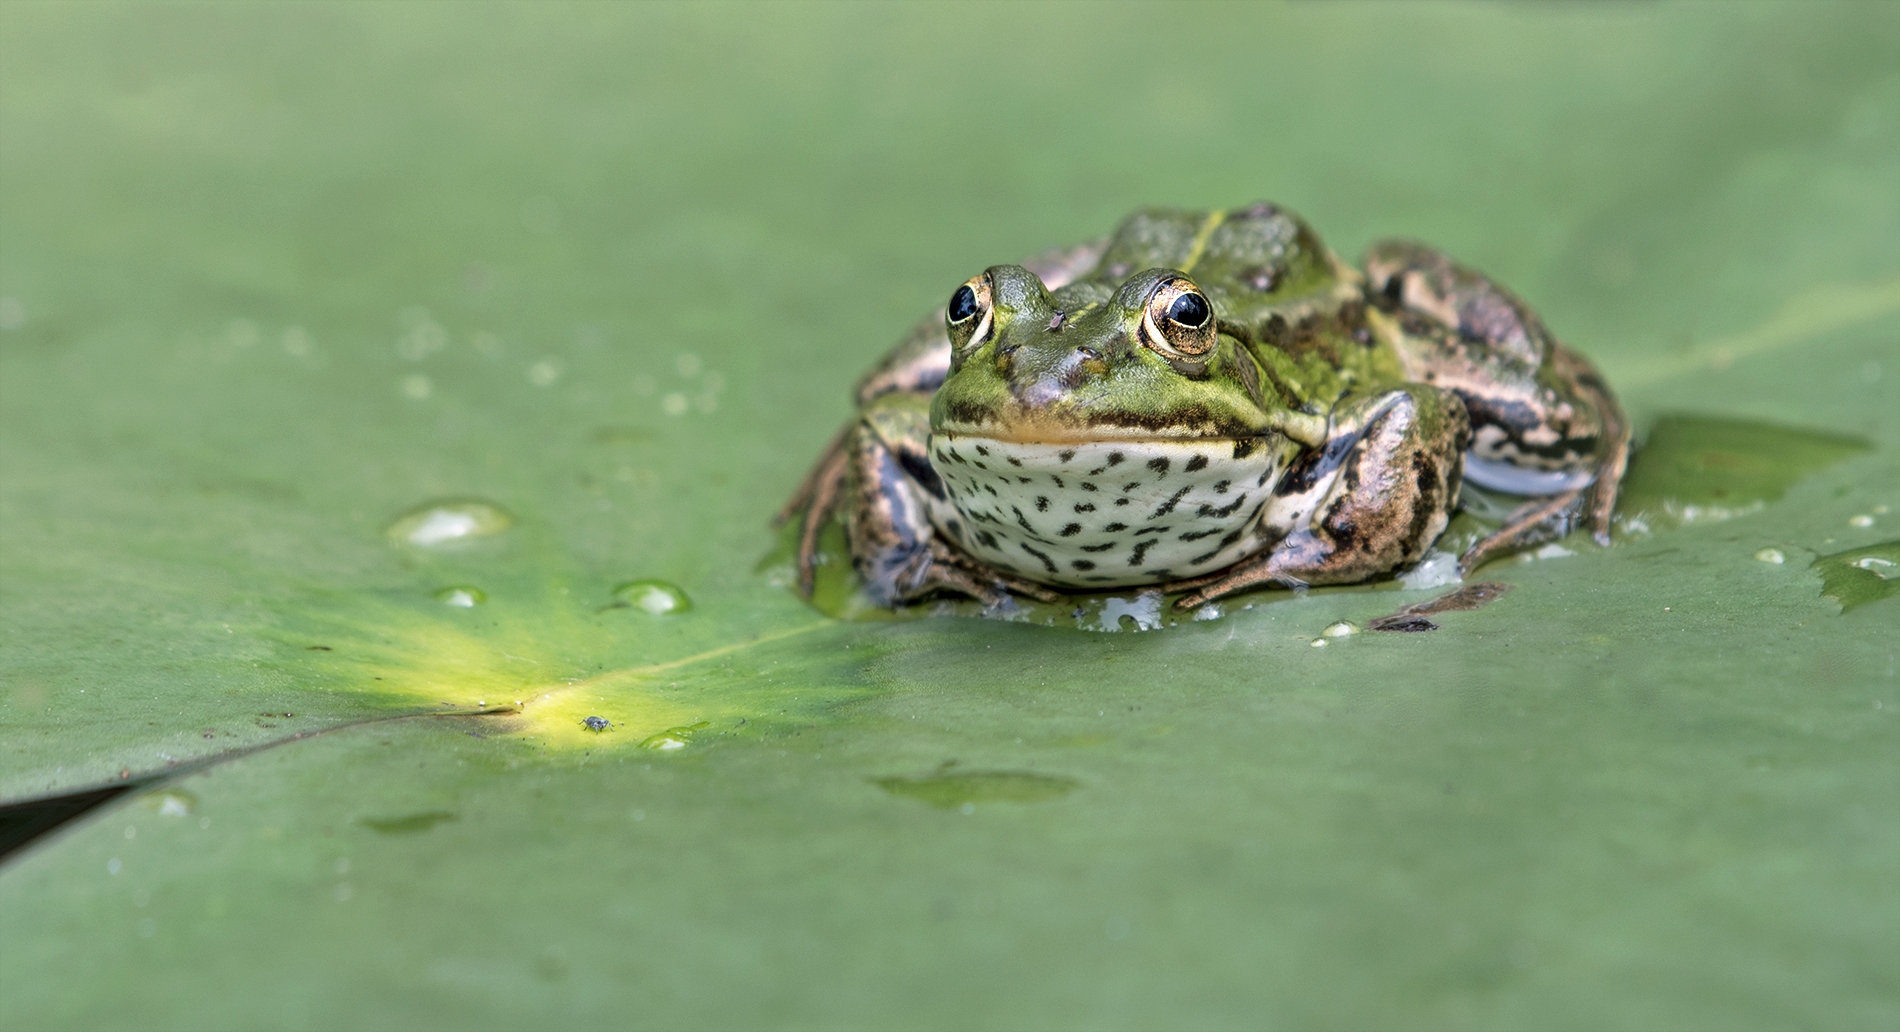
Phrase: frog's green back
(1276,287)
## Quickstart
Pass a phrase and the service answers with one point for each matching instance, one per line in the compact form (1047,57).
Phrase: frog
(1205,403)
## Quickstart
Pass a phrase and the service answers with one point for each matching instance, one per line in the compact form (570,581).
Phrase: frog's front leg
(1543,421)
(1373,499)
(895,548)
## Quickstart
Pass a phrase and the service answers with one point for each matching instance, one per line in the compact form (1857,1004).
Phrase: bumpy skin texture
(1207,401)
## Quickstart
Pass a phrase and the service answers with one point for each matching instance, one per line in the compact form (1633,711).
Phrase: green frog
(1208,402)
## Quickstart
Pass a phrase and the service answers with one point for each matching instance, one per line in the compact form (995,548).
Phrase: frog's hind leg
(814,501)
(1374,499)
(1544,423)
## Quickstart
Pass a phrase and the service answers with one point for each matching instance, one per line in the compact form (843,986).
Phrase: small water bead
(655,596)
(673,737)
(1885,569)
(1771,555)
(448,522)
(171,802)
(1862,520)
(461,596)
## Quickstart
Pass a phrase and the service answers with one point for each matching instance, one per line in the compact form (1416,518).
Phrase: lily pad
(274,278)
(1861,575)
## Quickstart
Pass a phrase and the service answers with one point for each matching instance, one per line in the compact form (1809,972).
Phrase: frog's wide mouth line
(1135,437)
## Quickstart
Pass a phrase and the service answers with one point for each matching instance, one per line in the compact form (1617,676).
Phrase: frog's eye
(968,317)
(1179,320)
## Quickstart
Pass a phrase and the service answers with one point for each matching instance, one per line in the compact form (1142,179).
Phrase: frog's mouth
(1105,513)
(1044,426)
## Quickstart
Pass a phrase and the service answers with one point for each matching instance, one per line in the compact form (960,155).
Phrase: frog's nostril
(1005,357)
(1084,365)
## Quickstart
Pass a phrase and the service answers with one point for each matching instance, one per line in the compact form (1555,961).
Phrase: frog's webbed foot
(813,503)
(1521,527)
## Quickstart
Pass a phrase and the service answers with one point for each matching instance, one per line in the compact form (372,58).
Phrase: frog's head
(1142,360)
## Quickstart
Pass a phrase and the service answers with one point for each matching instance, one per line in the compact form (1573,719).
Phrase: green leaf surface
(387,389)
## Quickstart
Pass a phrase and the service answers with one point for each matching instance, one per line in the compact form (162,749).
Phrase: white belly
(1108,514)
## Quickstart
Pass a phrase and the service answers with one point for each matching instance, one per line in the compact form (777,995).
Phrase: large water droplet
(654,596)
(462,596)
(673,737)
(447,522)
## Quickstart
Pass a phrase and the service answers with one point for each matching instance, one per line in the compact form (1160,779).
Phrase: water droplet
(545,372)
(1862,520)
(462,596)
(12,313)
(113,866)
(1771,555)
(446,522)
(1319,643)
(1436,570)
(1340,629)
(421,337)
(296,342)
(688,365)
(674,404)
(147,928)
(654,596)
(342,866)
(1141,613)
(673,737)
(171,802)
(417,387)
(344,892)
(131,831)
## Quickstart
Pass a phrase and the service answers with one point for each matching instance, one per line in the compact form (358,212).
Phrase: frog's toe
(1520,528)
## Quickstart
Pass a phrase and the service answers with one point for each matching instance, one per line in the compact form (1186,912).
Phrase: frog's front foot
(1373,500)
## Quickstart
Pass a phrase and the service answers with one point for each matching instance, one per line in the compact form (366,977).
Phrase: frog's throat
(1107,513)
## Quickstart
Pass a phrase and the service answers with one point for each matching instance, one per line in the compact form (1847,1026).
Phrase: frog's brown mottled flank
(1208,401)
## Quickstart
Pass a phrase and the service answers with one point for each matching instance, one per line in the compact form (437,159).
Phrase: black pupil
(962,304)
(1189,310)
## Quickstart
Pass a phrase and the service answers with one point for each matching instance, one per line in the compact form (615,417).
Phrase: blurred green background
(273,274)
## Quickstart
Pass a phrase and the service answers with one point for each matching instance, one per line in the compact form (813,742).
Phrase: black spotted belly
(1105,514)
